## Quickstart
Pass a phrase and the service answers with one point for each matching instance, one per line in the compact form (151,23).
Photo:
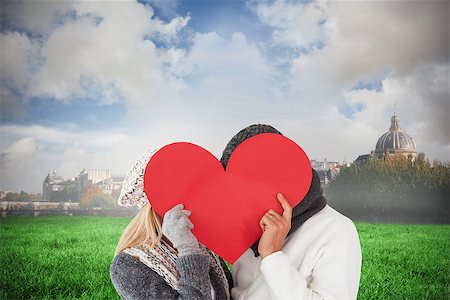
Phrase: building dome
(395,141)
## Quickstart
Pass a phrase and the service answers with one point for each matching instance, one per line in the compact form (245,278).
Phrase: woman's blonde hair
(144,228)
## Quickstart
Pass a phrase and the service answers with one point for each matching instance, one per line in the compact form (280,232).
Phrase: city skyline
(97,83)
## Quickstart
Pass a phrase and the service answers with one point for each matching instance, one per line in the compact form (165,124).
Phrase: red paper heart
(227,206)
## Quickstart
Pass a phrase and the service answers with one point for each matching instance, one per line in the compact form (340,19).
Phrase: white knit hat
(132,192)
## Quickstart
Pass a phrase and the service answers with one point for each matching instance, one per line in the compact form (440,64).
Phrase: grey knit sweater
(132,279)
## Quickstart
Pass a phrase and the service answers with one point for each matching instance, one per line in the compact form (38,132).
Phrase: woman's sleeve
(194,281)
(336,274)
(134,280)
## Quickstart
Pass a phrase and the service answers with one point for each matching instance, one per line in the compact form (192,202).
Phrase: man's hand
(275,228)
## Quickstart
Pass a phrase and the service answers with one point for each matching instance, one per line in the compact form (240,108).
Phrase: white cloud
(366,39)
(37,17)
(96,47)
(218,70)
(294,25)
(17,164)
(17,55)
(23,148)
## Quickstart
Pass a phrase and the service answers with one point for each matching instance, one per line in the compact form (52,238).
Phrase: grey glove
(177,228)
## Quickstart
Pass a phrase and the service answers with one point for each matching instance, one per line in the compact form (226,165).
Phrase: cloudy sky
(94,84)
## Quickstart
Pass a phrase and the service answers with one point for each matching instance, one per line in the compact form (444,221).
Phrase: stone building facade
(56,188)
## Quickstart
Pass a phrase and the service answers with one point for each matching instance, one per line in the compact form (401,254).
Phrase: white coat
(320,260)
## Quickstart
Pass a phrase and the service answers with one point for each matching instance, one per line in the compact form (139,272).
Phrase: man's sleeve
(336,274)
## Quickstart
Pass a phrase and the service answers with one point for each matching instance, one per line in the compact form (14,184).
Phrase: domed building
(393,142)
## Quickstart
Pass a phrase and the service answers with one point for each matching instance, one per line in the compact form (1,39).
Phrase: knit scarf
(311,204)
(162,258)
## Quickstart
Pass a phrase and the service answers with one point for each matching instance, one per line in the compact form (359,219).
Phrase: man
(311,251)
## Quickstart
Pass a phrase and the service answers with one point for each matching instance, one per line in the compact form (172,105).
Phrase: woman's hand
(275,228)
(177,227)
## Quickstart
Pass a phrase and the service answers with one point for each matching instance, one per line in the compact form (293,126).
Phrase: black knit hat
(312,203)
(241,136)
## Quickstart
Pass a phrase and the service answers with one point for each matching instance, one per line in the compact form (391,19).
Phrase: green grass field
(69,257)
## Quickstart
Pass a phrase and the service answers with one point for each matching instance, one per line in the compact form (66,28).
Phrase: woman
(159,258)
(309,252)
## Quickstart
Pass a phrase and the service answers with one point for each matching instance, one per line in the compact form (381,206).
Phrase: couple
(311,251)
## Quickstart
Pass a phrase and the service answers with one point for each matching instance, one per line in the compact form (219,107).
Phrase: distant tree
(13,197)
(394,188)
(421,157)
(115,194)
(24,197)
(36,197)
(103,201)
(88,195)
